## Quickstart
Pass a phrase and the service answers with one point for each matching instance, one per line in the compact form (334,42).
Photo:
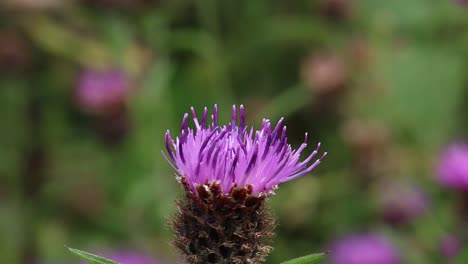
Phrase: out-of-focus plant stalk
(462,213)
(33,177)
(56,39)
(281,104)
(86,50)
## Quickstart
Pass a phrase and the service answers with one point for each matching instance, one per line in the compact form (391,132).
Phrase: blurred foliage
(392,94)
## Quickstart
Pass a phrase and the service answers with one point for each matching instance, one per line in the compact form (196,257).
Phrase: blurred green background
(382,84)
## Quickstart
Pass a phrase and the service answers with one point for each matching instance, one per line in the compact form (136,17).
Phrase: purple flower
(364,249)
(450,246)
(400,203)
(453,167)
(102,91)
(228,171)
(236,155)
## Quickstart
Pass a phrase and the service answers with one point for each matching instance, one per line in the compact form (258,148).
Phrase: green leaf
(90,258)
(309,259)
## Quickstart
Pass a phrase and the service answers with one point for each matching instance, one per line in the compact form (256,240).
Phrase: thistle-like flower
(453,167)
(228,172)
(450,246)
(102,92)
(364,249)
(401,203)
(129,257)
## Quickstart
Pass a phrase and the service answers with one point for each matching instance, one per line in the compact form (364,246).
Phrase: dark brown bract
(214,227)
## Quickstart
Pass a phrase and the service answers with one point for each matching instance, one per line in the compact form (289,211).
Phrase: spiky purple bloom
(235,155)
(452,168)
(102,91)
(364,249)
(227,172)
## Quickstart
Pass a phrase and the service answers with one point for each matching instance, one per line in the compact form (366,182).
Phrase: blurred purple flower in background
(450,246)
(325,73)
(337,10)
(101,92)
(15,53)
(129,257)
(461,2)
(452,169)
(401,203)
(364,249)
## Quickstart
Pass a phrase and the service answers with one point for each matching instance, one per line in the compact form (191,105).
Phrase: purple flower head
(364,249)
(452,169)
(450,246)
(130,257)
(102,91)
(400,203)
(236,155)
